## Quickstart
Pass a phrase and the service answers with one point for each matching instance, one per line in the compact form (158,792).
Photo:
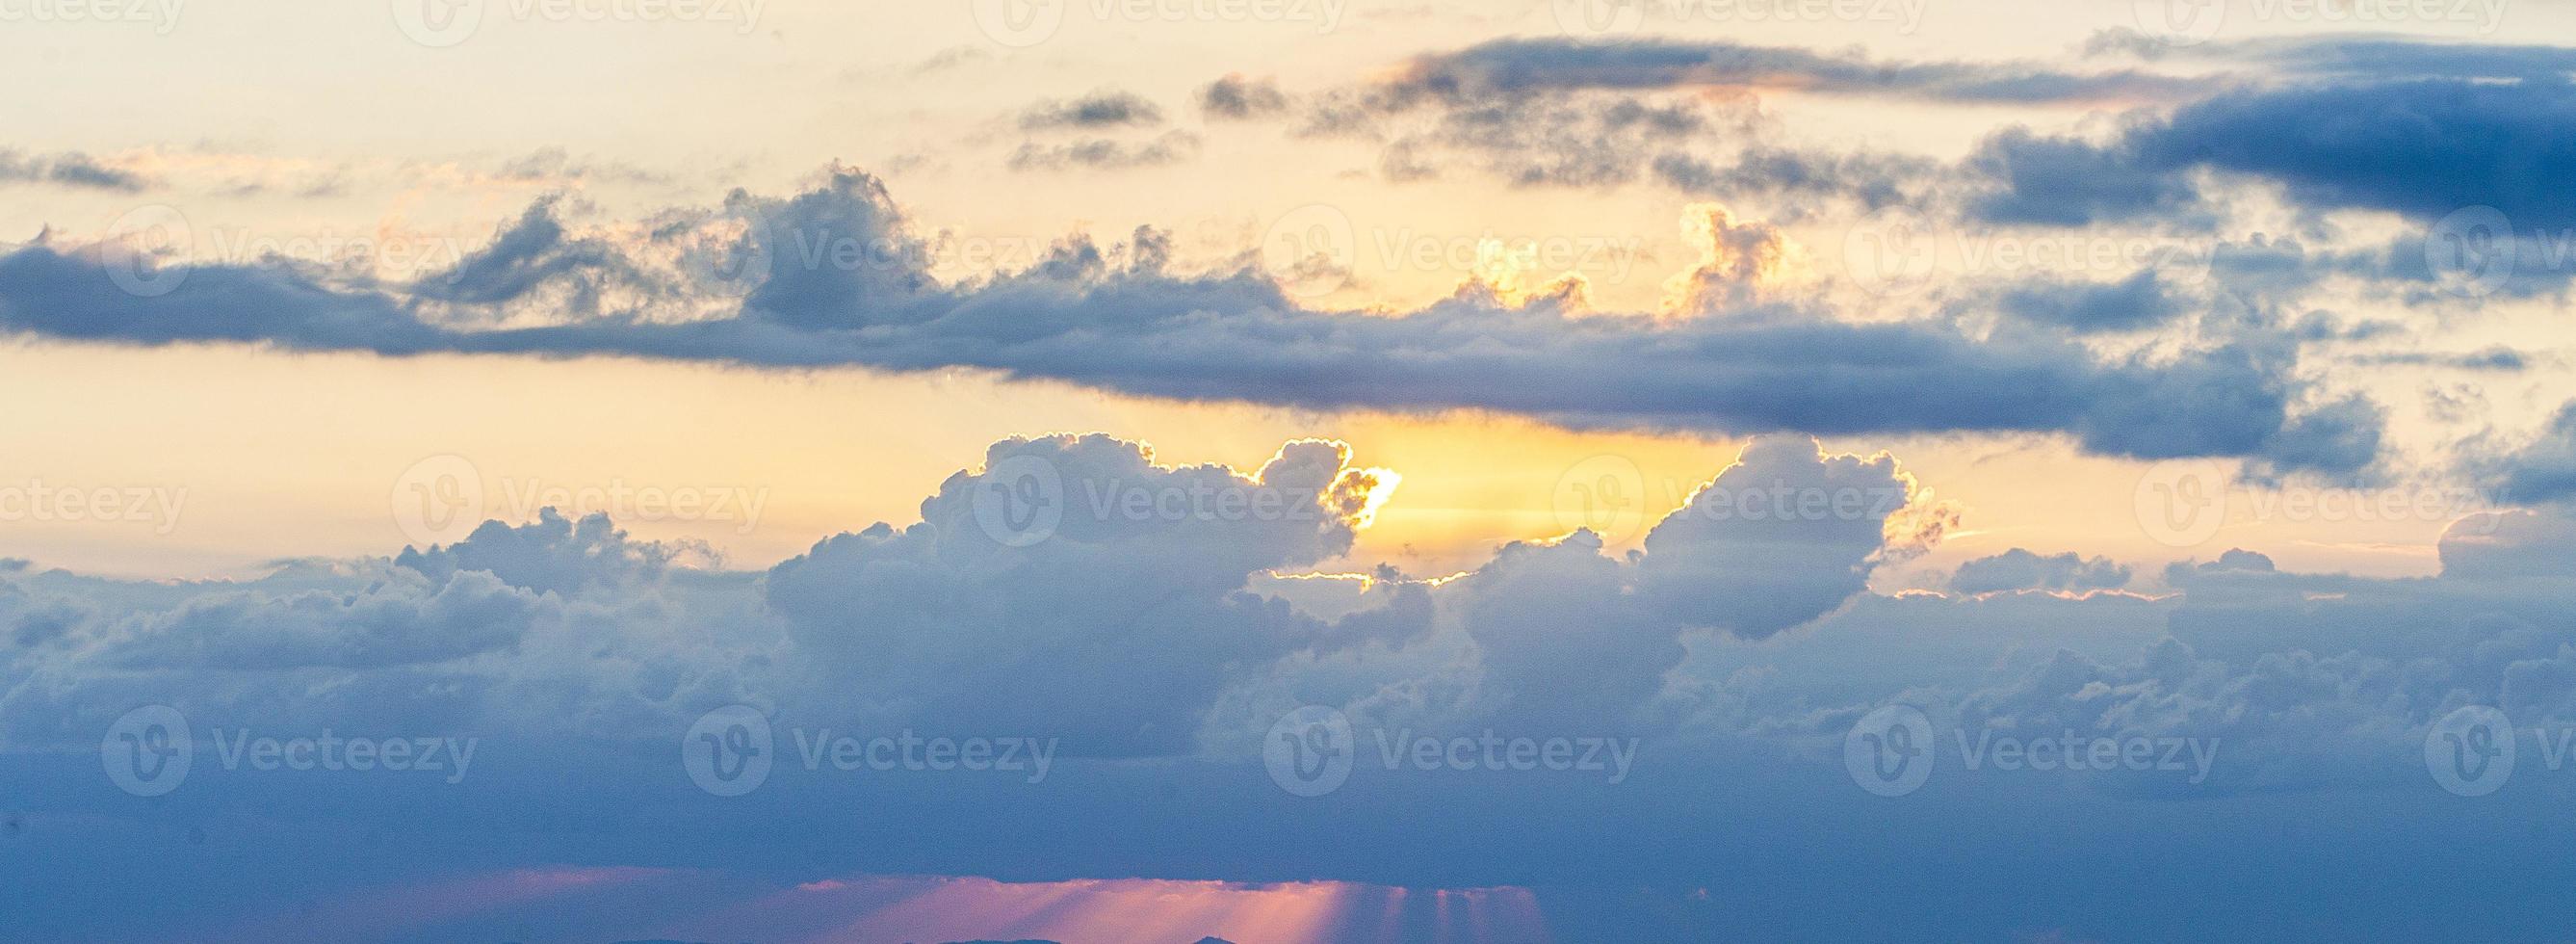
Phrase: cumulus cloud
(1120,625)
(2019,569)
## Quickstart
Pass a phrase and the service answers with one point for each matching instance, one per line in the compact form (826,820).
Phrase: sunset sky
(1184,389)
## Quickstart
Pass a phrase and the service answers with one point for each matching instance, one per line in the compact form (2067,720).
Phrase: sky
(1107,470)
